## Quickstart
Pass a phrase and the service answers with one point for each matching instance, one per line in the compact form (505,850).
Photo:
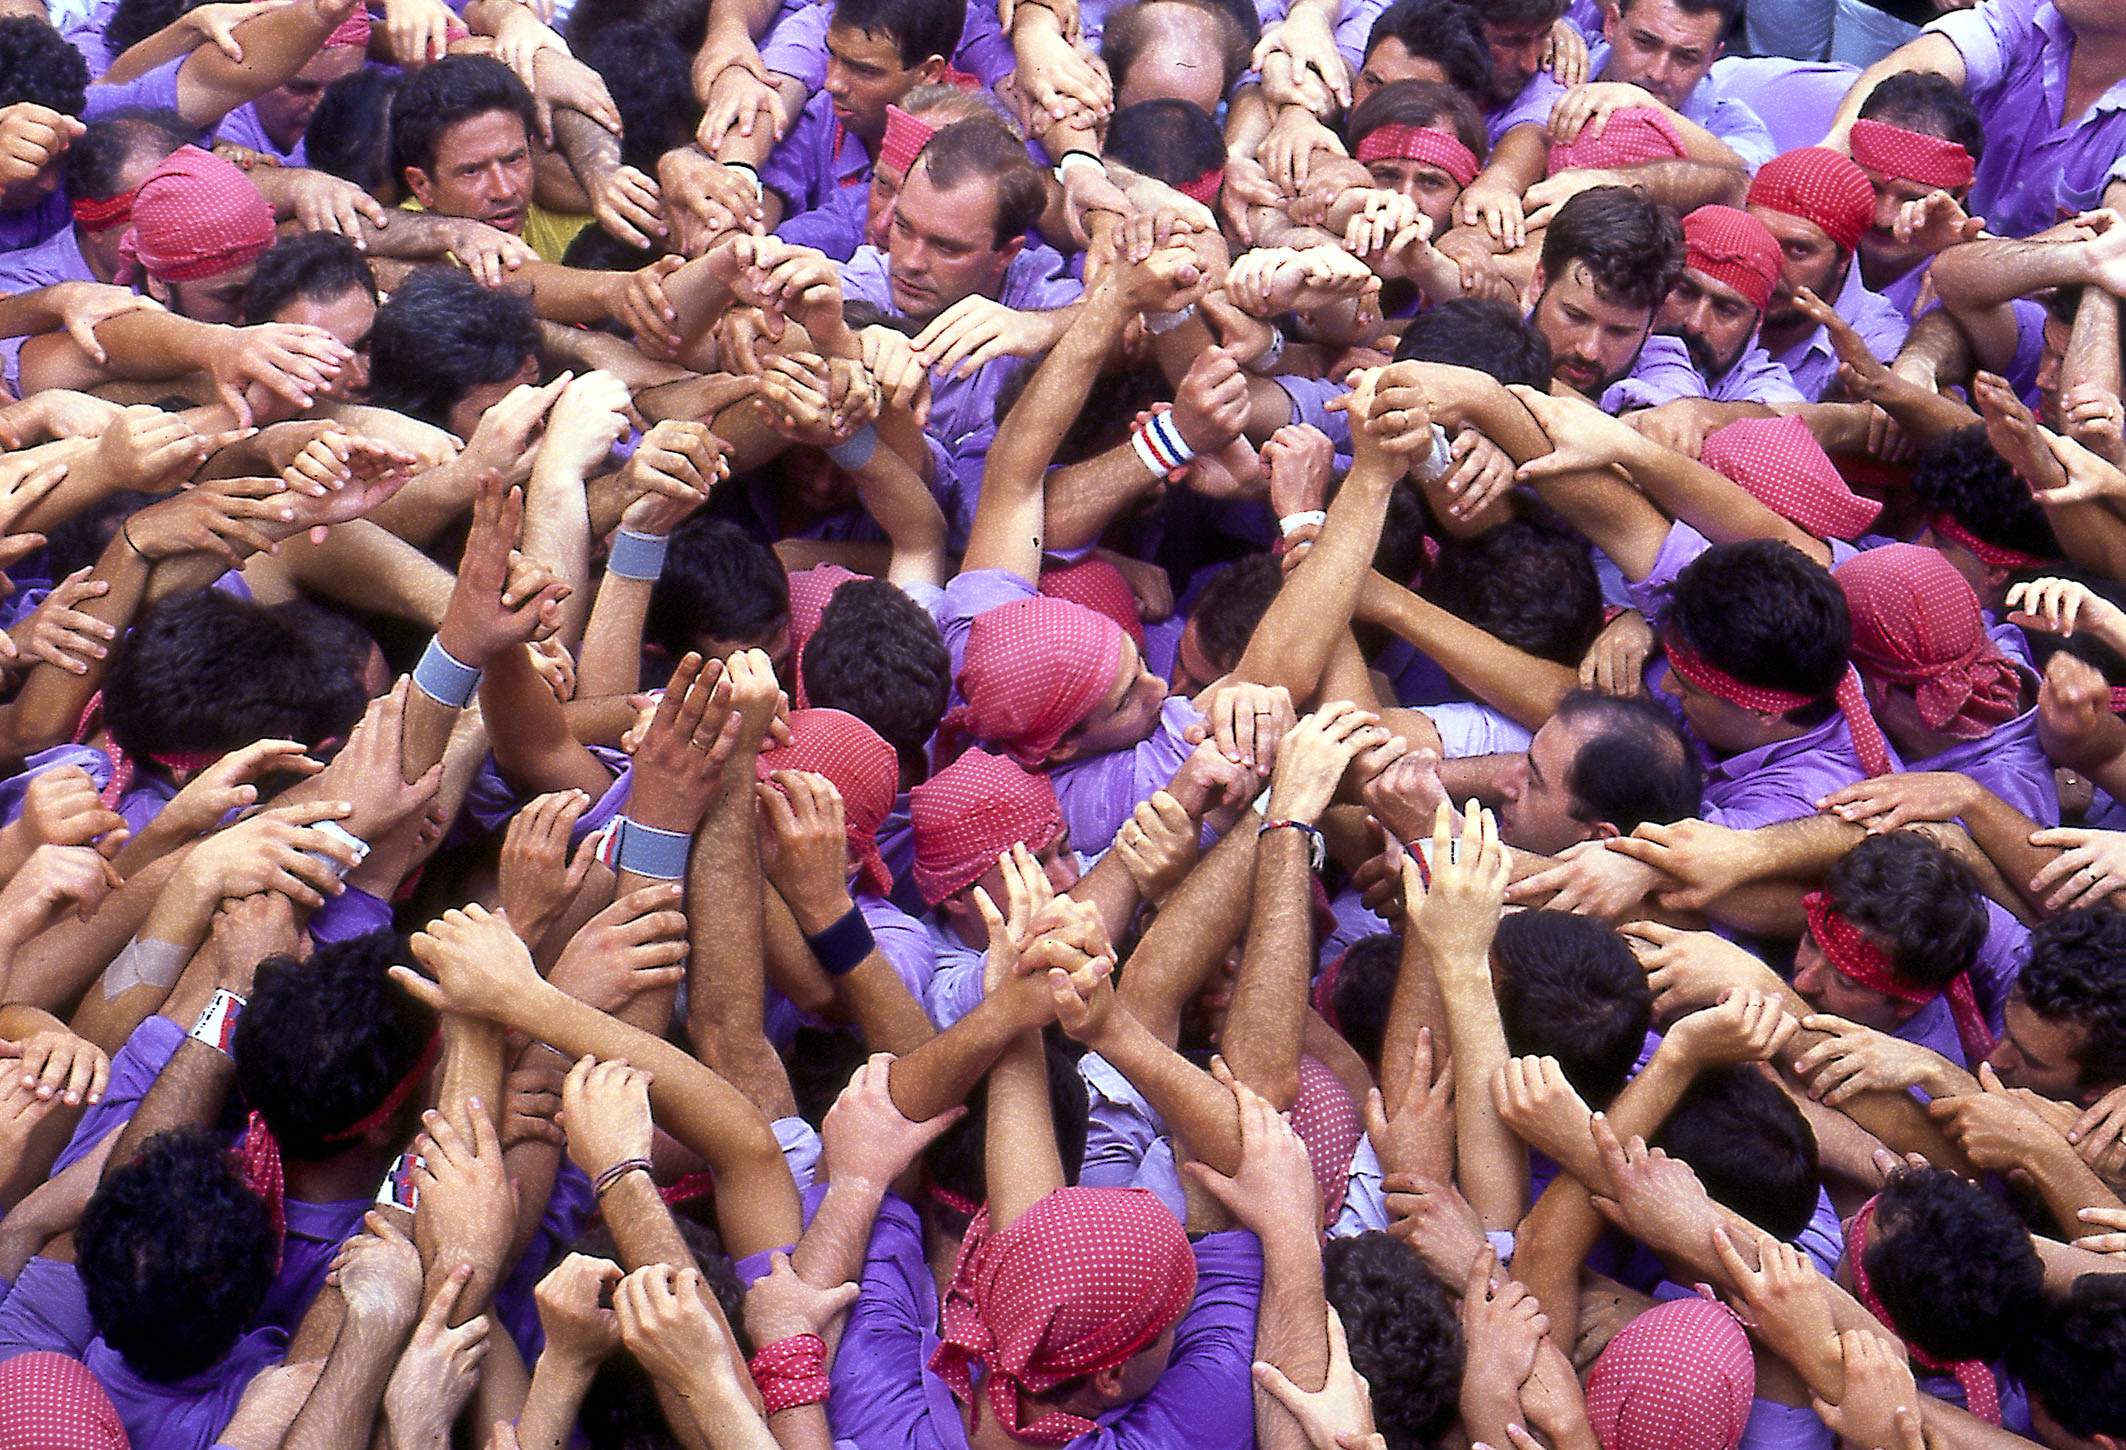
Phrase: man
(1817,205)
(274,123)
(1609,260)
(1731,265)
(1658,52)
(2066,1019)
(1598,768)
(199,228)
(1917,141)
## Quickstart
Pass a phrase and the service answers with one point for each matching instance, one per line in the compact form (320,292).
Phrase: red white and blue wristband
(1160,446)
(216,1026)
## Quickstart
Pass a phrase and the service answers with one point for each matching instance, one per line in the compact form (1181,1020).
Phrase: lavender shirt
(1795,99)
(1532,107)
(2009,761)
(1732,123)
(2037,168)
(57,258)
(1755,378)
(243,128)
(797,46)
(1813,362)
(1098,793)
(885,1395)
(1662,373)
(818,158)
(1999,962)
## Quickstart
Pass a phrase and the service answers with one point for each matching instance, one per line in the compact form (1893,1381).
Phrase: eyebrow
(1534,772)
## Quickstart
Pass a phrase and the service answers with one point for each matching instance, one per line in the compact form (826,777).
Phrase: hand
(585,421)
(325,203)
(1431,1216)
(2074,712)
(1300,459)
(794,400)
(1880,1404)
(488,253)
(1313,757)
(2099,1134)
(1418,1139)
(1304,38)
(579,1330)
(865,1141)
(1659,1200)
(21,1111)
(1998,1132)
(531,1102)
(274,851)
(1615,663)
(1789,1301)
(705,201)
(680,759)
(468,1212)
(636,945)
(1458,913)
(32,137)
(1937,222)
(782,1304)
(1588,107)
(61,807)
(1582,437)
(2061,606)
(292,361)
(61,1068)
(2092,416)
(1708,860)
(1404,793)
(419,30)
(1750,1025)
(890,357)
(436,1373)
(1247,721)
(1891,801)
(483,619)
(369,772)
(1591,878)
(223,518)
(1338,1412)
(1159,845)
(2113,1240)
(809,863)
(82,305)
(54,879)
(538,877)
(1494,207)
(670,474)
(378,1274)
(976,330)
(740,100)
(1565,57)
(503,439)
(1853,1059)
(1689,970)
(665,1323)
(1274,1193)
(1479,473)
(481,967)
(1534,1099)
(230,784)
(605,1109)
(1083,995)
(1503,1325)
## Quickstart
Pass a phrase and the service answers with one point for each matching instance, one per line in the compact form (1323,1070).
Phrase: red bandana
(863,767)
(1981,1394)
(1204,188)
(51,1402)
(351,33)
(1733,248)
(1099,586)
(1911,156)
(904,140)
(1630,137)
(1780,463)
(1428,144)
(970,813)
(1819,186)
(1996,556)
(1868,743)
(112,211)
(1032,671)
(1916,622)
(1678,1377)
(1864,962)
(196,216)
(1328,1123)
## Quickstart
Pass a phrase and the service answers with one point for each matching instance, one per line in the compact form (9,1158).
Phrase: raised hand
(483,618)
(636,945)
(480,966)
(539,877)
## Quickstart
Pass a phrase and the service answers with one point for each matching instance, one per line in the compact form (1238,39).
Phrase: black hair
(1730,12)
(1443,32)
(314,267)
(594,249)
(1420,103)
(437,97)
(350,132)
(1954,1269)
(1914,900)
(1483,333)
(1233,604)
(41,66)
(441,335)
(922,28)
(1960,475)
(1364,990)
(1631,245)
(1569,988)
(1166,139)
(982,150)
(2076,975)
(175,1253)
(878,655)
(98,159)
(719,583)
(1516,12)
(1404,1332)
(685,21)
(324,1040)
(2074,1364)
(1528,584)
(647,74)
(1767,614)
(1636,765)
(1932,105)
(209,672)
(1129,33)
(338,638)
(957,1161)
(1749,1145)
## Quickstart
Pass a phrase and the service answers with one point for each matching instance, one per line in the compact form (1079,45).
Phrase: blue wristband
(637,556)
(842,947)
(445,679)
(855,453)
(649,851)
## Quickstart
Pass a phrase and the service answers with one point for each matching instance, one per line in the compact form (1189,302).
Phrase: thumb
(1217,1184)
(1989,1079)
(420,988)
(1376,1115)
(1280,1388)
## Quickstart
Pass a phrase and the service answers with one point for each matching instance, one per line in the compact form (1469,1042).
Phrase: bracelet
(615,1173)
(400,1189)
(791,1372)
(743,168)
(1291,524)
(1271,355)
(124,532)
(637,556)
(646,850)
(1317,848)
(854,452)
(842,947)
(216,1026)
(444,678)
(345,837)
(1081,155)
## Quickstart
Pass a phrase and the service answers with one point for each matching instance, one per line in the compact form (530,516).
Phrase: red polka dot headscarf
(196,216)
(1780,463)
(1917,623)
(864,769)
(50,1402)
(1818,185)
(1034,669)
(1678,1377)
(973,811)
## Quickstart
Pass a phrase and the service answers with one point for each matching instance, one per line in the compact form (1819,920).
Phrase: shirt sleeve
(878,1400)
(1206,1396)
(1663,373)
(47,1309)
(1988,37)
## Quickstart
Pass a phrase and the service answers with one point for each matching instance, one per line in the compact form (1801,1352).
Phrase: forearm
(2092,359)
(1022,1164)
(146,346)
(362,564)
(1510,680)
(899,502)
(50,704)
(832,1249)
(1312,611)
(275,44)
(726,993)
(1493,1163)
(60,964)
(341,1411)
(1717,507)
(1711,175)
(1262,1033)
(2004,833)
(548,1420)
(1291,1331)
(1197,1111)
(1190,937)
(188,1092)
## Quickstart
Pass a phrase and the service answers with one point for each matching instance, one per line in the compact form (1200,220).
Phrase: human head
(1600,766)
(1629,137)
(286,111)
(878,655)
(1678,1377)
(1749,1146)
(1422,139)
(49,1401)
(205,673)
(444,349)
(199,226)
(1980,514)
(1665,47)
(863,770)
(39,66)
(1768,618)
(1731,264)
(961,218)
(1778,462)
(1918,133)
(721,591)
(323,280)
(1920,642)
(1610,256)
(1919,910)
(1816,203)
(1059,1344)
(104,168)
(2066,1019)
(461,140)
(1529,584)
(175,1253)
(1046,679)
(2073,1365)
(877,50)
(1515,35)
(331,1052)
(1170,141)
(1480,332)
(350,133)
(1157,48)
(909,127)
(1569,988)
(1404,1334)
(1950,1265)
(1354,991)
(1100,587)
(647,73)
(970,813)
(1224,620)
(1439,41)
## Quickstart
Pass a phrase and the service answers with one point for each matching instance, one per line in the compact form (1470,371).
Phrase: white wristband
(1439,460)
(1291,524)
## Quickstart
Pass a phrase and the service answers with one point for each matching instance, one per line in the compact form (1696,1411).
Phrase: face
(1142,1370)
(211,299)
(2040,1055)
(1391,61)
(348,317)
(100,248)
(1129,713)
(2057,335)
(1434,191)
(1057,864)
(1183,66)
(1537,813)
(943,245)
(1887,255)
(865,75)
(1662,48)
(1714,320)
(1830,990)
(285,111)
(1721,724)
(466,412)
(1593,342)
(886,185)
(483,170)
(814,485)
(1516,55)
(1808,258)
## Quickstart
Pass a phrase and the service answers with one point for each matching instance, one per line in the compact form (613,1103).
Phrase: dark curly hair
(1526,583)
(1960,475)
(718,582)
(1953,1267)
(2075,975)
(1768,615)
(878,655)
(2075,1364)
(1632,245)
(1405,1335)
(1750,1147)
(1364,990)
(1569,988)
(1444,33)
(39,65)
(1915,901)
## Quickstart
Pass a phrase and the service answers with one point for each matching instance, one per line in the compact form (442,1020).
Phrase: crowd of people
(823,724)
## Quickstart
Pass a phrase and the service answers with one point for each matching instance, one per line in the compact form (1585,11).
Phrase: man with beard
(1609,261)
(1731,266)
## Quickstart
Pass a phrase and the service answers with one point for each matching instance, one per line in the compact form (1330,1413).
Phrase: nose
(1886,209)
(1062,872)
(1808,981)
(1514,784)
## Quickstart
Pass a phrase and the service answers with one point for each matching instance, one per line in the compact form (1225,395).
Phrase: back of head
(970,813)
(1962,482)
(719,583)
(1749,1146)
(1951,1266)
(1232,605)
(100,158)
(443,334)
(1764,613)
(1033,671)
(1634,766)
(956,1163)
(1443,32)
(205,673)
(39,65)
(1166,139)
(2074,1364)
(1631,246)
(328,1042)
(313,267)
(878,655)
(350,134)
(1914,900)
(175,1255)
(1516,13)
(1532,586)
(1930,104)
(197,216)
(1361,991)
(647,75)
(1484,333)
(1133,30)
(1405,1334)
(922,28)
(2076,974)
(132,21)
(982,152)
(437,97)
(1678,1377)
(1569,988)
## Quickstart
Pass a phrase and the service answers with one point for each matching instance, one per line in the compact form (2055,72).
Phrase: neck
(340,1178)
(2098,64)
(88,255)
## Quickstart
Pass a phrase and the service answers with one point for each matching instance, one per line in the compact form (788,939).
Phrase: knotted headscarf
(1981,1394)
(1678,1377)
(196,216)
(1733,248)
(970,813)
(1917,623)
(1912,155)
(863,768)
(1630,136)
(1780,464)
(1034,669)
(1859,959)
(1868,741)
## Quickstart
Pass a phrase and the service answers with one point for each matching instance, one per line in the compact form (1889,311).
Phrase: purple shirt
(835,226)
(1755,378)
(1784,780)
(1795,99)
(2037,168)
(1532,107)
(2009,761)
(156,91)
(1993,973)
(1813,362)
(1099,793)
(956,987)
(242,127)
(885,1395)
(1732,122)
(28,227)
(797,46)
(142,802)
(818,158)
(57,258)
(1662,373)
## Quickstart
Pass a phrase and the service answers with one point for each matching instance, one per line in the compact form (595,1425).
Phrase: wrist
(815,912)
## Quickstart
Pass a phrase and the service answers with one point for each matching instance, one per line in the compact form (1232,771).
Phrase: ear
(418,183)
(930,71)
(1065,749)
(1538,282)
(1603,831)
(1011,250)
(157,288)
(1903,1012)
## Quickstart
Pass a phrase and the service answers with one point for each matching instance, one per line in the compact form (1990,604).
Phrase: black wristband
(842,947)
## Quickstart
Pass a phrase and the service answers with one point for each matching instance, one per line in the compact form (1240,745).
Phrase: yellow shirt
(547,233)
